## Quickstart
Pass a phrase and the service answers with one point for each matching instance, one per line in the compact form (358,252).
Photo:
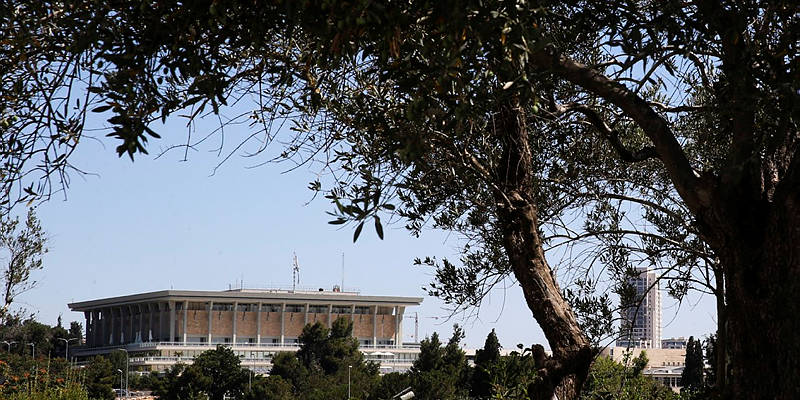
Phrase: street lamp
(33,358)
(120,381)
(127,370)
(349,367)
(66,342)
(7,343)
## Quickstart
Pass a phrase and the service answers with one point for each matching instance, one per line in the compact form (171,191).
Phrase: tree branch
(612,135)
(736,63)
(697,195)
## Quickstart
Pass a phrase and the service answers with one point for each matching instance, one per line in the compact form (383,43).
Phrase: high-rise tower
(641,323)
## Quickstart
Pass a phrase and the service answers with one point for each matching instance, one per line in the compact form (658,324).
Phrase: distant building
(663,365)
(674,343)
(668,376)
(656,358)
(641,323)
(159,329)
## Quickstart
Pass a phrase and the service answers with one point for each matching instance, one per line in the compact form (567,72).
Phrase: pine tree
(430,355)
(711,359)
(692,376)
(441,372)
(485,358)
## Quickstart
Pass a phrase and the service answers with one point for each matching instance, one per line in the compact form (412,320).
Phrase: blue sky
(160,223)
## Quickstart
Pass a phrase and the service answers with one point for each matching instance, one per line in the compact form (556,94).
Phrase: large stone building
(664,365)
(641,323)
(158,329)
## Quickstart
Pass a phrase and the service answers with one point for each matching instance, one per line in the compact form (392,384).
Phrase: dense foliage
(215,373)
(611,380)
(22,248)
(441,371)
(485,358)
(327,361)
(25,336)
(100,377)
(692,376)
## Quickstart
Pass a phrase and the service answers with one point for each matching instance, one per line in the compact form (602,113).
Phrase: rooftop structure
(674,343)
(161,328)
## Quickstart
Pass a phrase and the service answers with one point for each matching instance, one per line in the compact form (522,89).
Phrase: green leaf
(152,133)
(358,231)
(378,227)
(101,109)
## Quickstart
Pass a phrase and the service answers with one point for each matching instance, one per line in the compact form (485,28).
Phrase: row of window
(312,308)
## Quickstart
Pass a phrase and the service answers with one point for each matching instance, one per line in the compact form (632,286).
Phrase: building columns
(398,331)
(330,311)
(283,324)
(163,324)
(375,327)
(235,318)
(122,326)
(141,322)
(210,311)
(258,324)
(102,320)
(150,322)
(185,317)
(131,331)
(112,339)
(171,306)
(89,331)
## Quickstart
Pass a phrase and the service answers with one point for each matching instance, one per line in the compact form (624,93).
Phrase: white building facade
(641,323)
(159,329)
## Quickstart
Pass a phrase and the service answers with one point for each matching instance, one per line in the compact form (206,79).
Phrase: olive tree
(652,133)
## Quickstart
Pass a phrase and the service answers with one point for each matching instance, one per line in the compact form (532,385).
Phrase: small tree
(319,370)
(391,384)
(272,387)
(441,372)
(99,379)
(224,372)
(430,355)
(611,380)
(692,376)
(711,358)
(485,358)
(512,375)
(23,249)
(181,382)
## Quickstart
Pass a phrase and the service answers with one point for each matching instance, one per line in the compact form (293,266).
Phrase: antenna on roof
(342,271)
(295,272)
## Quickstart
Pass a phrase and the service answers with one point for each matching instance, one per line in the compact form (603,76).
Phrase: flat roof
(264,296)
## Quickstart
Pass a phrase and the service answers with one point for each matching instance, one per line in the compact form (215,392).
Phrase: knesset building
(159,329)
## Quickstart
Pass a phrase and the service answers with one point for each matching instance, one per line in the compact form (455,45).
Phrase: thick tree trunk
(562,374)
(763,307)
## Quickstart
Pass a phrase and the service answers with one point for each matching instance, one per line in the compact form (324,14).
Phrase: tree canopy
(441,371)
(610,134)
(22,248)
(216,374)
(485,359)
(326,360)
(692,376)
